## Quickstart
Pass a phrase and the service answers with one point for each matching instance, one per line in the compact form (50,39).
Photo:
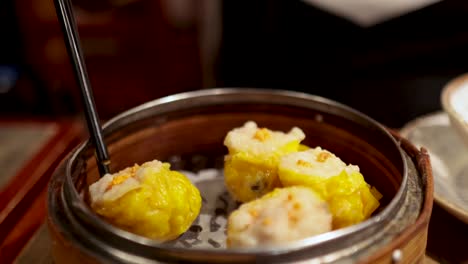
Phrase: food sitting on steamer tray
(281,216)
(350,198)
(251,167)
(292,192)
(149,200)
(260,160)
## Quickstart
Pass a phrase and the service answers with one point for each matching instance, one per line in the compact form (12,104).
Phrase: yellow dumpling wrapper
(349,197)
(251,167)
(149,200)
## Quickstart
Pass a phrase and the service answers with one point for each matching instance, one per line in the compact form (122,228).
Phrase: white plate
(449,159)
(454,100)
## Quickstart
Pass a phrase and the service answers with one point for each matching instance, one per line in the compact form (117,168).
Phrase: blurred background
(392,68)
(387,58)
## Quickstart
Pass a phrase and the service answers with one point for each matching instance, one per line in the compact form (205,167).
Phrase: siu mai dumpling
(251,167)
(149,200)
(279,217)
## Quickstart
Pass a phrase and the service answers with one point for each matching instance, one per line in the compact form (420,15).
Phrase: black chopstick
(72,41)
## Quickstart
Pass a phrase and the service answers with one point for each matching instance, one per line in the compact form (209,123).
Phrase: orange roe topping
(121,178)
(266,221)
(262,134)
(253,213)
(323,156)
(297,206)
(303,163)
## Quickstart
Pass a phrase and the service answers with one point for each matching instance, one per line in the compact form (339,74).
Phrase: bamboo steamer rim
(422,159)
(128,117)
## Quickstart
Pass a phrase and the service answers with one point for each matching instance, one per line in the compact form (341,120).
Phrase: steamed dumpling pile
(149,200)
(260,160)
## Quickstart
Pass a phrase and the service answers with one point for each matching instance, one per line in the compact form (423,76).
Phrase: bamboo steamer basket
(188,129)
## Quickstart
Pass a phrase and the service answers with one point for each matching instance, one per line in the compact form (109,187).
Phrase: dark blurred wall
(134,51)
(392,71)
(21,90)
(137,51)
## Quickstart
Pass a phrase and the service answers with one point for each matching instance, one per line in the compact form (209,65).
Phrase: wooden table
(22,203)
(29,152)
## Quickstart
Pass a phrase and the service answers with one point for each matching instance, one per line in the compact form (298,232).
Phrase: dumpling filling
(281,216)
